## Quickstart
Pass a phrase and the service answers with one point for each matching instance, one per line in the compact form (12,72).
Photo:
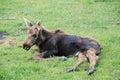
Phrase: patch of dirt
(3,35)
(11,41)
(8,42)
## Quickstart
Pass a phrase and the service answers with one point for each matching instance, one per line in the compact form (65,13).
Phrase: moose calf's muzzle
(26,47)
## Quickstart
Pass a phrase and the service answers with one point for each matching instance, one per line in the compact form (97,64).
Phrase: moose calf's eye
(34,35)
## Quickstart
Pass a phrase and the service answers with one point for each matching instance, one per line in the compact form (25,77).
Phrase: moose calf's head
(33,34)
(37,34)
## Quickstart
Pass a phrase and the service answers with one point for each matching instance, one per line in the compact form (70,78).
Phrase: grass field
(99,19)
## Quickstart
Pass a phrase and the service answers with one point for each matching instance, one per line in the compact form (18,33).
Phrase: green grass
(99,19)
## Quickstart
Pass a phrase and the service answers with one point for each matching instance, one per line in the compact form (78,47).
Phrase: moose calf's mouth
(26,47)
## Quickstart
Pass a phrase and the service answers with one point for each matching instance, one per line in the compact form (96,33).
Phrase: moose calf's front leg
(36,51)
(81,59)
(45,55)
(91,55)
(42,56)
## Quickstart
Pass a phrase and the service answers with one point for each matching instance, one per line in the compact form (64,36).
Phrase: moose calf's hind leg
(91,55)
(81,59)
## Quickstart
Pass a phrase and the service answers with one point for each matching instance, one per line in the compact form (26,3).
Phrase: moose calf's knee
(91,53)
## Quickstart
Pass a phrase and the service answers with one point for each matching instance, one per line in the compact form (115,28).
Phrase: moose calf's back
(70,44)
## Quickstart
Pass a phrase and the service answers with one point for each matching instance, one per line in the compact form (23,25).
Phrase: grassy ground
(99,19)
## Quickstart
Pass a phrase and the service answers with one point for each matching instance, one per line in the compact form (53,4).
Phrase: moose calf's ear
(28,23)
(39,23)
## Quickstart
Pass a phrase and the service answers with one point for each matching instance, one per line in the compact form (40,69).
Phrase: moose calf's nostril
(26,47)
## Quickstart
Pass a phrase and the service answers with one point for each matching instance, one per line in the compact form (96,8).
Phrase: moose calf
(58,43)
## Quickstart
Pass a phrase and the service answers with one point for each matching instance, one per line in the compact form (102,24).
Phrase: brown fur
(59,43)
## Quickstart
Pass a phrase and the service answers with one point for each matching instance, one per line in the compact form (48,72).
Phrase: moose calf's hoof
(65,58)
(70,69)
(90,71)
